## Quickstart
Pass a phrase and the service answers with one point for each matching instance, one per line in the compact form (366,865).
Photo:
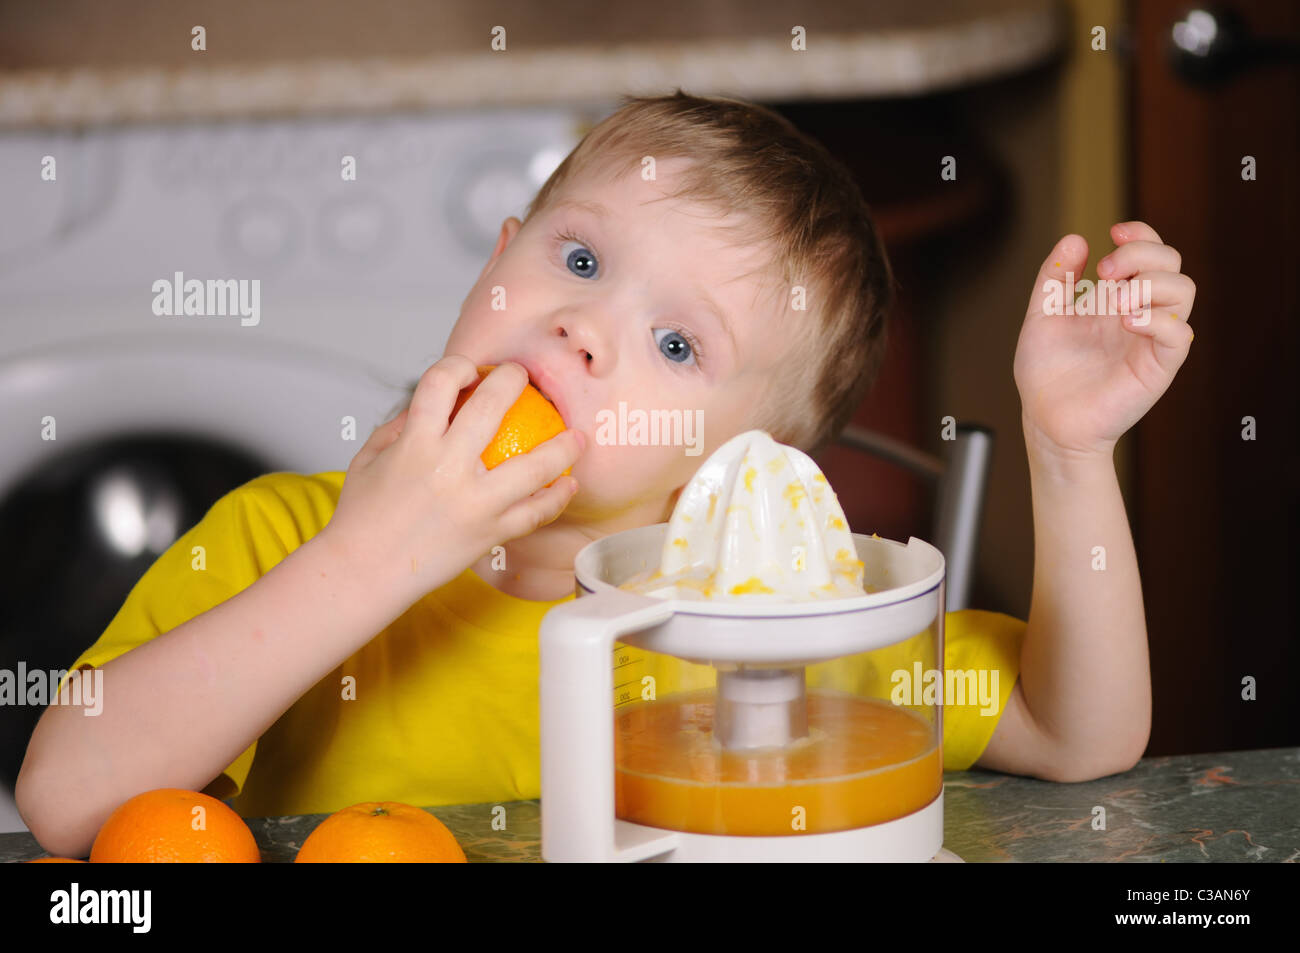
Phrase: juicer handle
(577,728)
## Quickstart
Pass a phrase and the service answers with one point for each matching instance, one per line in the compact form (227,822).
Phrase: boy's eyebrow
(595,208)
(711,306)
(718,315)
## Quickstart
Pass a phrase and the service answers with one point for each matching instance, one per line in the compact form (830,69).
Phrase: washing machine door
(115,448)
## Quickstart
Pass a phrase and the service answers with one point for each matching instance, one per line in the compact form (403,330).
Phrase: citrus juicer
(680,729)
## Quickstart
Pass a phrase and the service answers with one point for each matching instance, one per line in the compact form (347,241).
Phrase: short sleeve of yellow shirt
(441,706)
(978,641)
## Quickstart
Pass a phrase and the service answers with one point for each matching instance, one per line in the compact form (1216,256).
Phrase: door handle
(1212,44)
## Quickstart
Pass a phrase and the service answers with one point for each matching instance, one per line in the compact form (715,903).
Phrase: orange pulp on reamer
(865,761)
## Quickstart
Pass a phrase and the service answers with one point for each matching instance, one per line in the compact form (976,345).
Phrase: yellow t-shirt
(446,708)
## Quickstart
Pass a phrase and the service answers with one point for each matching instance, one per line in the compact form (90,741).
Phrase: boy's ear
(509,229)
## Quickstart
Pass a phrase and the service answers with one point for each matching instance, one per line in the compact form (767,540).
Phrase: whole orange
(379,832)
(164,826)
(56,860)
(531,420)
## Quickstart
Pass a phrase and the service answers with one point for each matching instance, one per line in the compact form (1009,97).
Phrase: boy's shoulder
(284,507)
(295,487)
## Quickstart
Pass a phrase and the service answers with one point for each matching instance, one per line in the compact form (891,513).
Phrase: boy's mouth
(553,402)
(544,384)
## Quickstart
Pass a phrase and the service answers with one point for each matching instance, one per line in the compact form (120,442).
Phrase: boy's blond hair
(797,200)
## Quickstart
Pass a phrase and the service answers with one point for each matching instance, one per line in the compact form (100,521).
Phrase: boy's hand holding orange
(419,498)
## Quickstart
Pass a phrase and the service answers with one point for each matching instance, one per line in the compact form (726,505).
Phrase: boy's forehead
(630,194)
(716,242)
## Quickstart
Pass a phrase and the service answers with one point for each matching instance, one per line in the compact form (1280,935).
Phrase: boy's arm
(181,707)
(1087,370)
(1081,708)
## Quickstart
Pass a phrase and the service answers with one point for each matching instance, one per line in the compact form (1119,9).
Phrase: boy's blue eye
(580,260)
(680,347)
(675,346)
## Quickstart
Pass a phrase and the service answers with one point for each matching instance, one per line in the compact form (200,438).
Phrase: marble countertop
(249,69)
(1237,806)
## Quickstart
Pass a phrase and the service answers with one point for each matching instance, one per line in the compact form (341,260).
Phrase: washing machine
(122,418)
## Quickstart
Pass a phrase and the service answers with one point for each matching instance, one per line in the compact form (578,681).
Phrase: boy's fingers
(437,390)
(389,432)
(1139,255)
(544,463)
(1157,289)
(479,419)
(541,508)
(1172,335)
(1123,232)
(1068,257)
(382,438)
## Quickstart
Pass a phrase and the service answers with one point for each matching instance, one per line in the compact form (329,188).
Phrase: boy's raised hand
(1085,379)
(419,505)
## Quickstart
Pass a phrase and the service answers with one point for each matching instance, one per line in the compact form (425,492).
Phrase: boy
(349,637)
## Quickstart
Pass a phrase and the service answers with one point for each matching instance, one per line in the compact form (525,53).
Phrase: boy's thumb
(1063,264)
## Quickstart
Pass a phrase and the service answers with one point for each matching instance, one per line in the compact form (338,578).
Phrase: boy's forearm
(180,708)
(1085,669)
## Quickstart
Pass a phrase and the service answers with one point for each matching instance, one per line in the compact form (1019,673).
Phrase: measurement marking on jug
(622,658)
(623,694)
(629,690)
